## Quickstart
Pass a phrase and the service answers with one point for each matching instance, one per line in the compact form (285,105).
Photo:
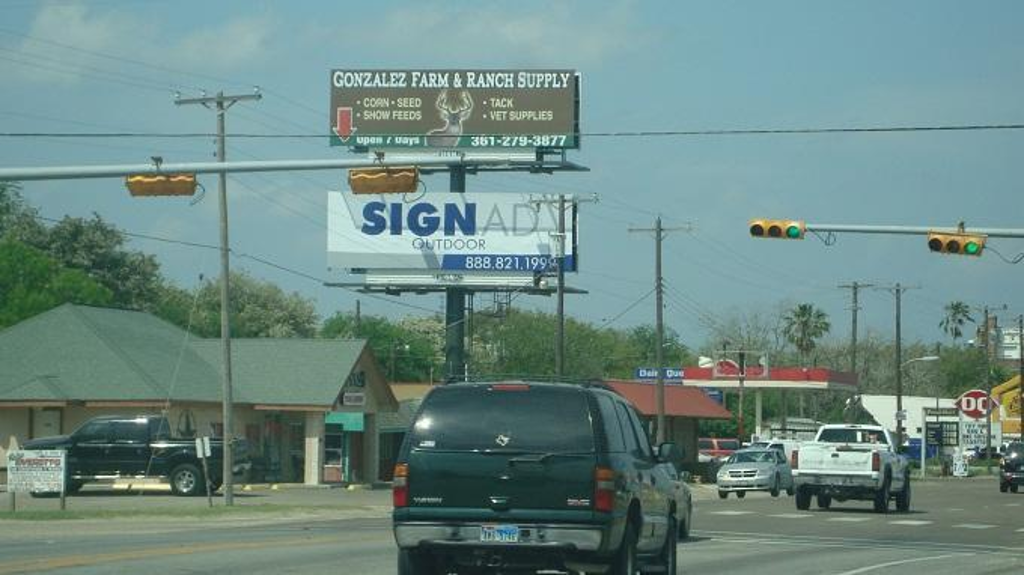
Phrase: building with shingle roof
(64,366)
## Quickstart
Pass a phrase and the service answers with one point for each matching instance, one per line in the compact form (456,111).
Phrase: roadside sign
(975,403)
(455,109)
(203,449)
(942,433)
(35,471)
(941,412)
(901,415)
(715,394)
(959,465)
(669,374)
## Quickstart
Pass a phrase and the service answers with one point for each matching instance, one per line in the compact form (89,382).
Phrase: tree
(17,219)
(258,309)
(957,314)
(406,353)
(803,325)
(31,283)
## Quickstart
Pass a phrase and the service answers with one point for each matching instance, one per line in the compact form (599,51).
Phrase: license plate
(500,533)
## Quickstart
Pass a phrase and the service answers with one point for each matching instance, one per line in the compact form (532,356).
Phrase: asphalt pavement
(956,526)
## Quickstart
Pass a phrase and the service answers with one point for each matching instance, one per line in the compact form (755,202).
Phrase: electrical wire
(629,308)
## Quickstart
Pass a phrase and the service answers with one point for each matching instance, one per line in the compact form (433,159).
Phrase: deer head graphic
(453,114)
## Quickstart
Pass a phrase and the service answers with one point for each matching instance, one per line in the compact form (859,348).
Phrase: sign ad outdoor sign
(35,471)
(975,403)
(489,233)
(470,109)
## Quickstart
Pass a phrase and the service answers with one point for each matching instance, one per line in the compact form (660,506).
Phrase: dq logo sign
(975,403)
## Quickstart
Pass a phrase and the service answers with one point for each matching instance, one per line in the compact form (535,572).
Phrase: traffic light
(387,180)
(161,184)
(779,229)
(956,243)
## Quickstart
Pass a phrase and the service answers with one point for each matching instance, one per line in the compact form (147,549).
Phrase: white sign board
(959,465)
(354,398)
(35,471)
(974,433)
(203,449)
(493,233)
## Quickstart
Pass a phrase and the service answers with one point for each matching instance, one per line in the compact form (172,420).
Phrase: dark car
(1011,468)
(113,447)
(531,476)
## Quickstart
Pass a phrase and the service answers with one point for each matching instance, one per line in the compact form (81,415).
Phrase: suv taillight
(604,489)
(794,460)
(400,486)
(876,461)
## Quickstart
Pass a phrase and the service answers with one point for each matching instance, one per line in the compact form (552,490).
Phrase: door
(45,422)
(129,447)
(90,449)
(654,505)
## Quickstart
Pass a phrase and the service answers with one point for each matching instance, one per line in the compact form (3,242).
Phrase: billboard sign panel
(470,109)
(490,233)
(31,471)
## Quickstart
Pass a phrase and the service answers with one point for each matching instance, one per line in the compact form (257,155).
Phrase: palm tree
(803,326)
(957,314)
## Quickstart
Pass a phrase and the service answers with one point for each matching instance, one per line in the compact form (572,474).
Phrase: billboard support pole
(455,304)
(560,339)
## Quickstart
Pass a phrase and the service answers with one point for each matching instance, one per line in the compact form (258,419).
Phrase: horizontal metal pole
(914,230)
(121,170)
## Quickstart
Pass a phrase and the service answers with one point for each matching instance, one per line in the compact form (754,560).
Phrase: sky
(116,65)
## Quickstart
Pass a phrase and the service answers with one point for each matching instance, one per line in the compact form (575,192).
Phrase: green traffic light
(972,248)
(793,232)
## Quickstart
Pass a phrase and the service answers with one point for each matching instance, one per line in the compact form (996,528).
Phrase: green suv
(530,476)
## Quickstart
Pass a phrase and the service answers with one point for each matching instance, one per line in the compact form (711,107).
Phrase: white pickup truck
(851,462)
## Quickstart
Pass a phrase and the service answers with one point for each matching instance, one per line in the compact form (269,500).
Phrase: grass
(163,512)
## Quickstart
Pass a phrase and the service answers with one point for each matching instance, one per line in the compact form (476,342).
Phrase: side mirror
(669,452)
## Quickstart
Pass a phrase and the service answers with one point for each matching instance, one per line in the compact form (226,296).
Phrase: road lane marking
(878,566)
(850,519)
(912,522)
(1020,530)
(83,560)
(792,515)
(732,513)
(974,526)
(858,543)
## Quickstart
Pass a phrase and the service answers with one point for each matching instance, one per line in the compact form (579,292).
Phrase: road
(960,527)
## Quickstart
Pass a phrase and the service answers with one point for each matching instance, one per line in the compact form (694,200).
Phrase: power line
(618,134)
(629,308)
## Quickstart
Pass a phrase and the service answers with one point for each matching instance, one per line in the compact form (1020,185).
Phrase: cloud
(42,55)
(566,32)
(227,46)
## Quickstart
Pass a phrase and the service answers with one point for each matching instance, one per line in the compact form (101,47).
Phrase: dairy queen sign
(975,404)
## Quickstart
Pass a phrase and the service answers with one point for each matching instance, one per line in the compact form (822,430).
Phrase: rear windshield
(729,444)
(840,435)
(520,418)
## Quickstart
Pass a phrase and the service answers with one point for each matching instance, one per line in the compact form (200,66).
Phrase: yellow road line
(82,560)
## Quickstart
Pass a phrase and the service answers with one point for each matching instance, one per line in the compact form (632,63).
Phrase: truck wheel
(882,497)
(684,526)
(625,558)
(803,499)
(413,562)
(741,494)
(903,497)
(723,494)
(774,491)
(186,479)
(73,487)
(824,501)
(1004,487)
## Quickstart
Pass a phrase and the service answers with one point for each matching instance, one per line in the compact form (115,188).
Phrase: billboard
(466,109)
(494,233)
(35,471)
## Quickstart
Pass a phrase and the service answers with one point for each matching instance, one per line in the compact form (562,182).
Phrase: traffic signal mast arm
(916,230)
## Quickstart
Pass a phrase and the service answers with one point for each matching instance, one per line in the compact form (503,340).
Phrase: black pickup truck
(113,447)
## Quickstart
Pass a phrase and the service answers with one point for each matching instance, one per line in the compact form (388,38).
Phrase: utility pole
(455,305)
(1020,374)
(897,290)
(221,103)
(659,327)
(560,338)
(854,288)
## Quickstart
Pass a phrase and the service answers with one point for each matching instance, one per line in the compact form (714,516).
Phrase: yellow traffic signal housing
(957,243)
(161,184)
(778,229)
(389,180)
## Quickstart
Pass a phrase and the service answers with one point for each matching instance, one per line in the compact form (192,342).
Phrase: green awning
(348,421)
